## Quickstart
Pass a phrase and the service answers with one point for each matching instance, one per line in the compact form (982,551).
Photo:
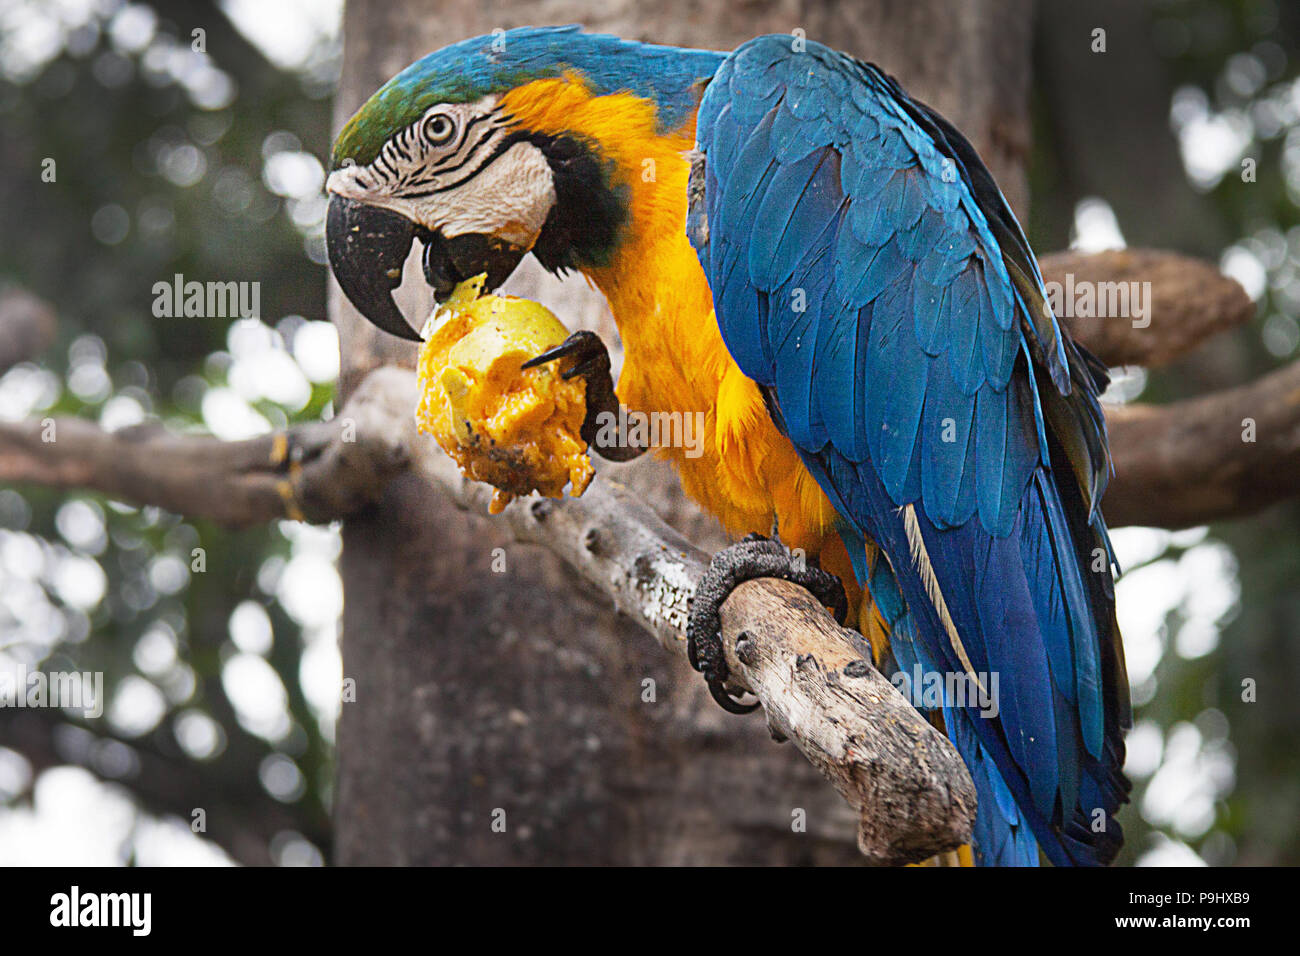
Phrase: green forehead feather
(388,110)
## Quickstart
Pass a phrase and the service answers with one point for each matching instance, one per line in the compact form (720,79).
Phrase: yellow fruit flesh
(516,429)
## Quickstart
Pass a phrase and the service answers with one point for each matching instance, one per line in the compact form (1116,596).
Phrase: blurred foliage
(1233,74)
(172,152)
(1241,62)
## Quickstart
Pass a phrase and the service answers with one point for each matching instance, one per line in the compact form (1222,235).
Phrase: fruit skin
(516,429)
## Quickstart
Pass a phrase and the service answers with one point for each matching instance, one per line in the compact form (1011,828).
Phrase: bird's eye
(439,129)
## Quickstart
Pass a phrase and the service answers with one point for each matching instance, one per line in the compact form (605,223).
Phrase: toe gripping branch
(753,557)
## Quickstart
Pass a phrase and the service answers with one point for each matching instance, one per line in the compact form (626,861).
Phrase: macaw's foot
(754,557)
(591,361)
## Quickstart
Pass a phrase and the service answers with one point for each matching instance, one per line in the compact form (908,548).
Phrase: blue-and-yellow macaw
(792,244)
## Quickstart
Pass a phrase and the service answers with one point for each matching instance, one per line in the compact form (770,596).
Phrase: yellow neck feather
(675,359)
(654,284)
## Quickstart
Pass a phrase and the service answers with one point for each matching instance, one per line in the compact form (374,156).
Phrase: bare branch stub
(1217,456)
(1189,301)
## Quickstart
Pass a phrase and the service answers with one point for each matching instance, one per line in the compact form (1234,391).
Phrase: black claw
(754,557)
(550,355)
(587,368)
(591,363)
(584,345)
(729,703)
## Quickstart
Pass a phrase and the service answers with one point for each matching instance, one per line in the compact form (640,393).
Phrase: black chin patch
(590,215)
(449,262)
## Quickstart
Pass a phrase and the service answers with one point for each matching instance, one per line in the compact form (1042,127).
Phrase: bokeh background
(223,686)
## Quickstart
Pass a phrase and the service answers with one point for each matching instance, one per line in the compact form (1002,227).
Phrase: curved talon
(584,345)
(728,703)
(591,362)
(754,557)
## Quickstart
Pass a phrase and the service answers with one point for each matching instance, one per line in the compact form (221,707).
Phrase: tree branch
(911,790)
(1176,465)
(1190,301)
(1216,456)
(322,471)
(315,472)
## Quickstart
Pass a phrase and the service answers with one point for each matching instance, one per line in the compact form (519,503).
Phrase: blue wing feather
(923,373)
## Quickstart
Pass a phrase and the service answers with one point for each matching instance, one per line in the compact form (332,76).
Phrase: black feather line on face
(591,212)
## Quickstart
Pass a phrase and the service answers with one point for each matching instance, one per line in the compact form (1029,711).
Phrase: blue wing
(869,276)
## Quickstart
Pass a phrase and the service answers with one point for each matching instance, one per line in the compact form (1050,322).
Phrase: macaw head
(522,140)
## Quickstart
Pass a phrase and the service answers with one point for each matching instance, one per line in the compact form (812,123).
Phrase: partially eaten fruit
(517,429)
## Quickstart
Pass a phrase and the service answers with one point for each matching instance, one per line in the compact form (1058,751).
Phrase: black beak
(449,262)
(367,248)
(368,245)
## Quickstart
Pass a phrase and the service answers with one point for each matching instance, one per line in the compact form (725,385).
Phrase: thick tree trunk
(501,714)
(1091,144)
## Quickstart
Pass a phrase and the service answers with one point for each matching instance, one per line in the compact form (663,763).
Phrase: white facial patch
(509,199)
(455,172)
